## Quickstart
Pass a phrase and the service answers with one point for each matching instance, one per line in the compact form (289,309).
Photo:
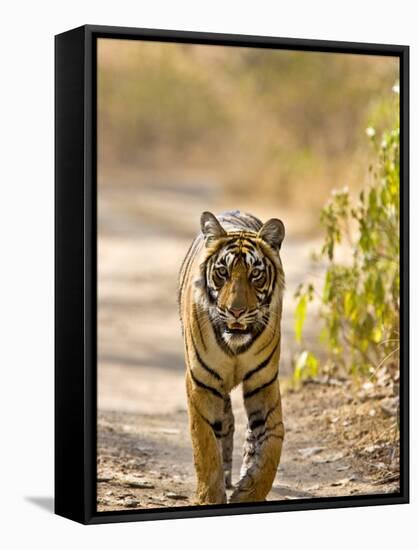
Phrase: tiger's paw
(243,490)
(247,491)
(211,496)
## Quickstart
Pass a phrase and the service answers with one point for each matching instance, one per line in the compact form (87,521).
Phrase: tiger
(231,287)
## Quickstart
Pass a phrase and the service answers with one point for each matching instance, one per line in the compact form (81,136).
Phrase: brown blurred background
(187,128)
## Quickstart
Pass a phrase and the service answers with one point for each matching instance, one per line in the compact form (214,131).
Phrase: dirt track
(144,452)
(145,461)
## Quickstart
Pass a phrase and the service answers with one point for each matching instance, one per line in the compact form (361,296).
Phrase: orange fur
(214,368)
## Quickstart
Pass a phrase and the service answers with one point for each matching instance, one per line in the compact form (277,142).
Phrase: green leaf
(300,316)
(306,366)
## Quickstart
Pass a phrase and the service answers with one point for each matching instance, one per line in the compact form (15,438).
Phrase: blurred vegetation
(280,125)
(359,298)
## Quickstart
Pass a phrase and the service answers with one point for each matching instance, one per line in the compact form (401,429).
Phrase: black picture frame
(76,269)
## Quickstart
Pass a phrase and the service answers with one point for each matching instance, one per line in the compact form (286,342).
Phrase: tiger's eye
(222,271)
(256,272)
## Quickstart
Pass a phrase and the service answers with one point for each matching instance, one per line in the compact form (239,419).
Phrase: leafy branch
(359,305)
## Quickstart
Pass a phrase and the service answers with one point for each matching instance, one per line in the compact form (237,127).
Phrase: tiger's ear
(273,232)
(211,227)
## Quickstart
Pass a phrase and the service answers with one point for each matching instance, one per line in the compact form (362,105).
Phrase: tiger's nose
(237,311)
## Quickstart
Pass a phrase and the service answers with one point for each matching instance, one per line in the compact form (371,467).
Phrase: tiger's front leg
(263,446)
(227,439)
(206,413)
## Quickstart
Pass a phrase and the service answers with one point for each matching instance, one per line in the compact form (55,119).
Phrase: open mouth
(236,328)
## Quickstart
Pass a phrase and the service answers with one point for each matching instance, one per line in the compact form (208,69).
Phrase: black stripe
(268,430)
(203,364)
(273,283)
(260,388)
(205,272)
(239,221)
(220,340)
(251,221)
(233,236)
(218,429)
(186,265)
(259,412)
(229,248)
(257,423)
(261,365)
(235,219)
(255,413)
(205,386)
(271,289)
(196,318)
(216,426)
(270,341)
(254,223)
(271,410)
(228,432)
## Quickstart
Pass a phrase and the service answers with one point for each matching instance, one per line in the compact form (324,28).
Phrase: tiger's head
(243,279)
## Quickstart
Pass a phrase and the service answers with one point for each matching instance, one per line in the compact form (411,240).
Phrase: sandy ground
(144,451)
(145,460)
